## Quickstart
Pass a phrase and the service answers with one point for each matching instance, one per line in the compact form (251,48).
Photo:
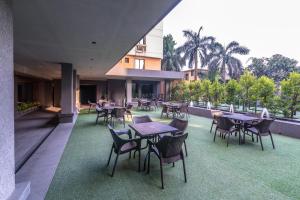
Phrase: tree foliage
(247,80)
(276,67)
(172,61)
(263,90)
(195,49)
(232,91)
(290,94)
(216,91)
(223,59)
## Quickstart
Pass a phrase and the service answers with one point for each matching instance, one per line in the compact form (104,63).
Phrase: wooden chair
(215,114)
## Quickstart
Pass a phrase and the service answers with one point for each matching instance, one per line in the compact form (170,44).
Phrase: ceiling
(56,31)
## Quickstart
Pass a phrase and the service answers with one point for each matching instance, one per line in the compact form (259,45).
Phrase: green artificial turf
(213,170)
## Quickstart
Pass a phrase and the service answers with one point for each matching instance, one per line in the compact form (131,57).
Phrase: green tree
(216,92)
(233,90)
(264,90)
(195,49)
(205,90)
(195,90)
(247,80)
(172,61)
(277,67)
(290,94)
(223,59)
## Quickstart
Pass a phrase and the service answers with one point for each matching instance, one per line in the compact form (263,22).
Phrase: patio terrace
(213,170)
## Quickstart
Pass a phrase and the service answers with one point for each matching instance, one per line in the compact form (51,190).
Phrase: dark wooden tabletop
(240,117)
(152,128)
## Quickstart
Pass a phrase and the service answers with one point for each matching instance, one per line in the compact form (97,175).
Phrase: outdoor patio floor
(213,170)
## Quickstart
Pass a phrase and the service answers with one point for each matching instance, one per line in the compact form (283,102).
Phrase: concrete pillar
(78,92)
(74,90)
(129,90)
(139,90)
(67,97)
(7,158)
(162,89)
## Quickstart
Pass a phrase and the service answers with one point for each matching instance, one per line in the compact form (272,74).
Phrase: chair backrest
(216,113)
(129,106)
(139,103)
(170,146)
(118,141)
(165,108)
(180,124)
(118,112)
(264,125)
(224,123)
(141,119)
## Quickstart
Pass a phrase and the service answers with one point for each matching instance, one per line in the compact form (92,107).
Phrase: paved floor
(30,131)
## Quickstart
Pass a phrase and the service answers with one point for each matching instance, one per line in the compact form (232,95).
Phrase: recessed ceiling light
(92,59)
(93,42)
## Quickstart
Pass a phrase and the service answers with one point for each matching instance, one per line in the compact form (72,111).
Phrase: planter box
(282,127)
(25,112)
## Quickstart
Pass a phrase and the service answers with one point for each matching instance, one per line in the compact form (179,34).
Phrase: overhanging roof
(56,31)
(125,73)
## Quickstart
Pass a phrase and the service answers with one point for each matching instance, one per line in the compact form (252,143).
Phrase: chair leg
(129,155)
(173,165)
(215,134)
(110,155)
(272,139)
(112,174)
(139,161)
(148,169)
(261,144)
(97,119)
(228,139)
(212,124)
(161,174)
(186,153)
(184,171)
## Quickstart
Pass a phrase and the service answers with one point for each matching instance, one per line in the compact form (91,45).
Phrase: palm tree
(195,49)
(172,60)
(222,59)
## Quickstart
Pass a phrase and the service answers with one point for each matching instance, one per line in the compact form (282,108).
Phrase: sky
(266,27)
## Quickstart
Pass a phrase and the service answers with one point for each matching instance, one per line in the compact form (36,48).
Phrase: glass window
(139,63)
(126,60)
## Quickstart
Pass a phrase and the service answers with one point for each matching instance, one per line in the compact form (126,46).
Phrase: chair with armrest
(226,127)
(261,128)
(121,146)
(168,150)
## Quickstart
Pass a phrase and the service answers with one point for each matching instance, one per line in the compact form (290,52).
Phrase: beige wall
(150,63)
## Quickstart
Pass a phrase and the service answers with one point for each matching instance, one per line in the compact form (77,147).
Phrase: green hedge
(249,91)
(26,105)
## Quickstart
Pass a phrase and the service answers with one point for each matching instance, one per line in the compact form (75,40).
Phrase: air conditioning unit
(140,48)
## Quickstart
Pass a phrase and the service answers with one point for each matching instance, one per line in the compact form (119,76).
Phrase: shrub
(290,94)
(216,92)
(263,90)
(233,90)
(205,90)
(247,80)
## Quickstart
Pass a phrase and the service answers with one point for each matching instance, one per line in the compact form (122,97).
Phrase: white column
(7,157)
(129,90)
(67,97)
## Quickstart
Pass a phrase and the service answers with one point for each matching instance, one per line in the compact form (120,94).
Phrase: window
(139,63)
(187,77)
(142,41)
(126,60)
(192,73)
